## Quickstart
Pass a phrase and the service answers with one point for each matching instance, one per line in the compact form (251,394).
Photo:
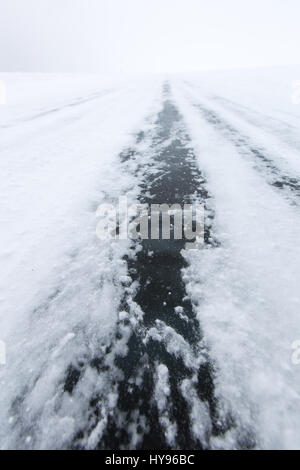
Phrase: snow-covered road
(118,344)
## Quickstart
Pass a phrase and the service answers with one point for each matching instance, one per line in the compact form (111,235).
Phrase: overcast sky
(142,36)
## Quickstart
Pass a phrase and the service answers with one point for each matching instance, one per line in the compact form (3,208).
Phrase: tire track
(287,185)
(159,381)
(59,109)
(276,127)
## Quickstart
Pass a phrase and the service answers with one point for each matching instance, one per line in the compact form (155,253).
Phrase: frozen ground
(106,348)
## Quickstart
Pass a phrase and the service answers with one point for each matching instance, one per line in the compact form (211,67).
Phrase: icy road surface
(128,345)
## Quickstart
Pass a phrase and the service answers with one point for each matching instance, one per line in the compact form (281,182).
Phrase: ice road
(123,344)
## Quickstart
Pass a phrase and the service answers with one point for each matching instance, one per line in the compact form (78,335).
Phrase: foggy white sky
(142,36)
